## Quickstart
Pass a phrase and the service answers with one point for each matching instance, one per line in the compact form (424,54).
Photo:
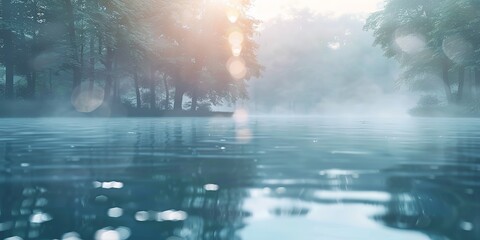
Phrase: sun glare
(236,67)
(236,50)
(232,15)
(236,38)
(267,9)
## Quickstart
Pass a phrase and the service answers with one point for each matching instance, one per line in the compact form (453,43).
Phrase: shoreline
(42,109)
(445,112)
(157,114)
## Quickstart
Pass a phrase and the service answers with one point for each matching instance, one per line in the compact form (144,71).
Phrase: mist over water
(325,65)
(193,120)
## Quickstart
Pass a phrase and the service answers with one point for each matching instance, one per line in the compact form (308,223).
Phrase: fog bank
(316,64)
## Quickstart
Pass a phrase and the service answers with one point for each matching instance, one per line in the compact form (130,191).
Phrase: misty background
(317,63)
(372,57)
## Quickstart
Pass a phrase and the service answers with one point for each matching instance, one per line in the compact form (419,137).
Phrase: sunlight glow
(236,38)
(467,226)
(124,232)
(236,51)
(243,135)
(266,9)
(334,45)
(240,116)
(232,15)
(40,217)
(171,215)
(236,67)
(115,212)
(104,234)
(211,187)
(410,43)
(457,48)
(86,101)
(141,216)
(71,236)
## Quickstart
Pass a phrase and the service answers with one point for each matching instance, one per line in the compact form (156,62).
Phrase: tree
(8,48)
(430,38)
(126,48)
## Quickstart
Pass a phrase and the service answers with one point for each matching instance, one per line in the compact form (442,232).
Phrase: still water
(257,178)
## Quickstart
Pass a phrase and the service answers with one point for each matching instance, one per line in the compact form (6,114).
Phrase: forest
(150,54)
(437,44)
(156,55)
(411,56)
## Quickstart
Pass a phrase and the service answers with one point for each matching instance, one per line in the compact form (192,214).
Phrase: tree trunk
(477,81)
(461,84)
(469,86)
(31,84)
(82,56)
(31,52)
(91,71)
(50,84)
(153,97)
(137,88)
(9,71)
(446,81)
(100,44)
(194,105)
(108,72)
(77,75)
(178,98)
(31,79)
(9,51)
(116,97)
(167,92)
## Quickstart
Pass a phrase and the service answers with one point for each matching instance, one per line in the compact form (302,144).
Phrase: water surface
(262,178)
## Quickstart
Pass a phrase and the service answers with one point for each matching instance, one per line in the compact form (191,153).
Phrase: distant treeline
(146,54)
(437,42)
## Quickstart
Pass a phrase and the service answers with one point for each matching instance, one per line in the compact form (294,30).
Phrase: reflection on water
(263,178)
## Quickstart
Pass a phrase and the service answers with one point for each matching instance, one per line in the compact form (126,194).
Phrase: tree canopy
(125,52)
(437,42)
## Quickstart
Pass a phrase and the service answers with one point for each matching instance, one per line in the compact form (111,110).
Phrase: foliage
(127,46)
(428,101)
(435,38)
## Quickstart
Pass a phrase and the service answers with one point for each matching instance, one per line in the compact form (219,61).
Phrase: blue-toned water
(257,178)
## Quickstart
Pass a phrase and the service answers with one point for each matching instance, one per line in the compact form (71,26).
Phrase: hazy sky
(268,9)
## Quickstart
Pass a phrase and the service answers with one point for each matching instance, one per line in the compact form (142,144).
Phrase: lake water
(257,178)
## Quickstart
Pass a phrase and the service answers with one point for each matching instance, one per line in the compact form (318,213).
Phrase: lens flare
(124,232)
(71,236)
(457,49)
(334,45)
(236,38)
(141,216)
(172,215)
(40,217)
(232,15)
(240,116)
(237,51)
(411,43)
(104,234)
(236,67)
(115,212)
(87,100)
(211,187)
(243,135)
